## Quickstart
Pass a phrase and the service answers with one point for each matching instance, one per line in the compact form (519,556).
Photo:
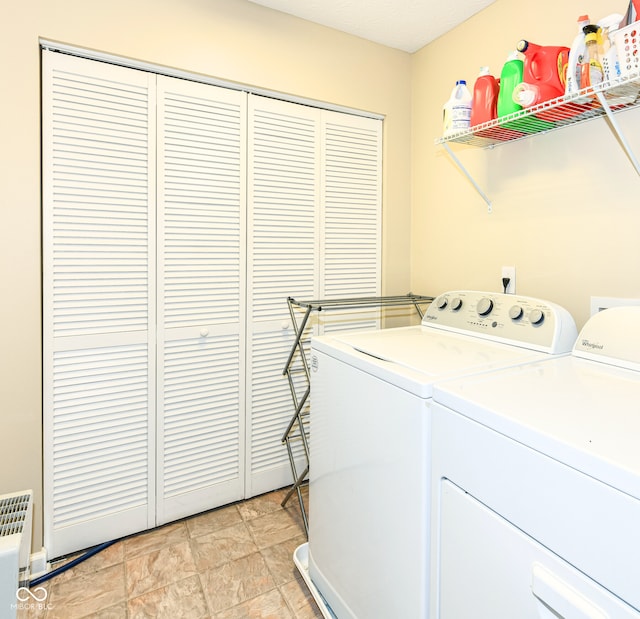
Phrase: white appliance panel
(590,524)
(368,551)
(368,494)
(479,548)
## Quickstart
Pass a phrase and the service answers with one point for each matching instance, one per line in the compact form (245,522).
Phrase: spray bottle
(576,57)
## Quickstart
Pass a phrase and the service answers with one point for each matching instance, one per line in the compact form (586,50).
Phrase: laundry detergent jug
(545,66)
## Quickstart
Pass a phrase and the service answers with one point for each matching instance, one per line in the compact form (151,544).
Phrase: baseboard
(38,563)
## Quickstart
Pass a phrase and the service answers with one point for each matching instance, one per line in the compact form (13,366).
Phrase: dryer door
(490,568)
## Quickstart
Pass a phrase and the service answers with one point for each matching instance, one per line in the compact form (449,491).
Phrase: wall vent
(15,547)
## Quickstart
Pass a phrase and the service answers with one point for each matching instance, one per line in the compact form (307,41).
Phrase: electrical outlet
(509,272)
(601,303)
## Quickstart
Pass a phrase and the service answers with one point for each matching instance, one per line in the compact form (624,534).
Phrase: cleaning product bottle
(545,67)
(485,98)
(510,77)
(592,73)
(457,110)
(576,57)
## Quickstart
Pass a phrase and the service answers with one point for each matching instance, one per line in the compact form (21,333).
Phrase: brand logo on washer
(314,363)
(592,345)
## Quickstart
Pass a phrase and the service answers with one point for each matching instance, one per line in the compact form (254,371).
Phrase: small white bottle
(457,110)
(577,55)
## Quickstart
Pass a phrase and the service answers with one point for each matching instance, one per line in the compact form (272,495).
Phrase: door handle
(561,598)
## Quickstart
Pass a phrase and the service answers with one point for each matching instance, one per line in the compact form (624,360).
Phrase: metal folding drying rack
(296,431)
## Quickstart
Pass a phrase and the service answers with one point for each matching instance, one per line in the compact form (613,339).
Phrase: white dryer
(369,525)
(536,484)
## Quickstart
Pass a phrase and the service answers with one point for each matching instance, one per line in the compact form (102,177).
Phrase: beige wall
(565,207)
(566,211)
(228,39)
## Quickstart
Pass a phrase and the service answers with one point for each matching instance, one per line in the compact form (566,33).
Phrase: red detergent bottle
(545,66)
(485,98)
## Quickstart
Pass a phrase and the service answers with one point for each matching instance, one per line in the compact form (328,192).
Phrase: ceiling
(407,25)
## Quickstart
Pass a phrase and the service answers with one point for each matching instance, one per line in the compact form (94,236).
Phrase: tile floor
(229,563)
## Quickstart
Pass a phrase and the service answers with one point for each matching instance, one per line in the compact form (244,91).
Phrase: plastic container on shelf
(576,58)
(609,52)
(627,42)
(592,73)
(457,110)
(484,106)
(545,66)
(526,95)
(510,76)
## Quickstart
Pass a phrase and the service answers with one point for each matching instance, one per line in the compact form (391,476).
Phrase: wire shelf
(589,103)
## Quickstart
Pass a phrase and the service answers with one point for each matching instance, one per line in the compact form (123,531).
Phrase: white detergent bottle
(457,110)
(577,55)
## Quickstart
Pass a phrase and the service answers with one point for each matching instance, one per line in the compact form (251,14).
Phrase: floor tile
(87,594)
(263,504)
(213,520)
(234,562)
(300,600)
(275,527)
(212,550)
(269,605)
(279,559)
(155,539)
(179,600)
(236,582)
(159,568)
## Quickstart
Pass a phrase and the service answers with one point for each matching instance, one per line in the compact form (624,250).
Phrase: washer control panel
(523,321)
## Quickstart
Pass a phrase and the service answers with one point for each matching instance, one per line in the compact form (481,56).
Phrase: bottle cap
(522,45)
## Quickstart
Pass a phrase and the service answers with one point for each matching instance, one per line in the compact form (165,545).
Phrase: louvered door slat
(283,194)
(201,237)
(98,244)
(352,216)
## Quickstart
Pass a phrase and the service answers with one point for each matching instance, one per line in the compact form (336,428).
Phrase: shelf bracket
(616,129)
(469,177)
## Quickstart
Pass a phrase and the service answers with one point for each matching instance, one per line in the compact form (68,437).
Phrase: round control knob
(516,312)
(536,317)
(204,332)
(484,307)
(442,302)
(456,304)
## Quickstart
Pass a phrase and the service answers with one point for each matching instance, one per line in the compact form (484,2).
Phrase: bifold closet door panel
(98,301)
(351,212)
(201,296)
(283,244)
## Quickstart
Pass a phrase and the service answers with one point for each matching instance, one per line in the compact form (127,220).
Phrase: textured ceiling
(407,25)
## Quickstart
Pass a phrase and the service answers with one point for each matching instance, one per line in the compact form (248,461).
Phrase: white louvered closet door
(351,215)
(201,289)
(283,244)
(98,301)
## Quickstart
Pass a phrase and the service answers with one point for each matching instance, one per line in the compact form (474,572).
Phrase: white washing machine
(536,484)
(368,549)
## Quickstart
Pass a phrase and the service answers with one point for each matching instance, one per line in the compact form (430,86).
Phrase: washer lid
(579,412)
(413,358)
(612,336)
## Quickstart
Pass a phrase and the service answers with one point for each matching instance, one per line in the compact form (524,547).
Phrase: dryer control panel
(518,320)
